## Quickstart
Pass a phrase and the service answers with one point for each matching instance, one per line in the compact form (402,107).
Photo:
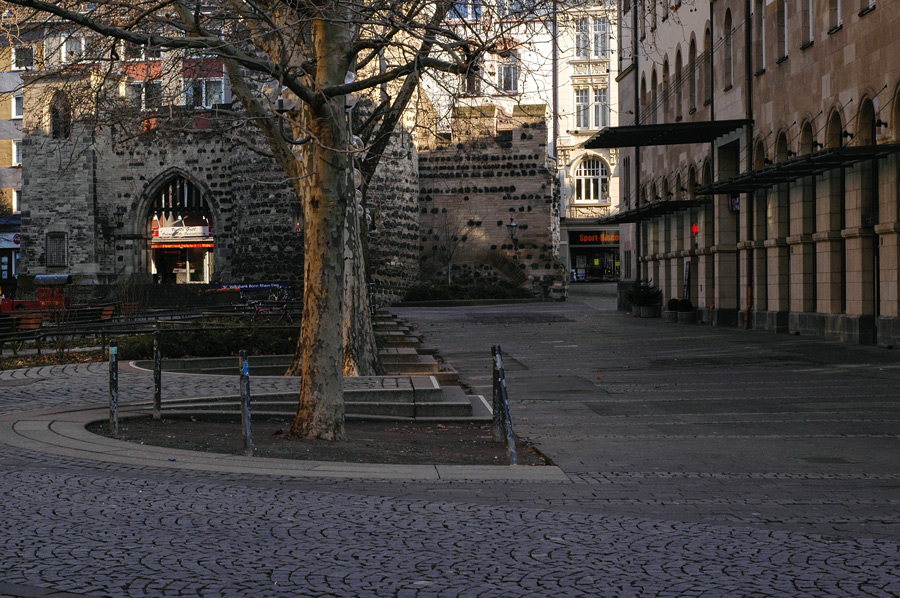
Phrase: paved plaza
(689,461)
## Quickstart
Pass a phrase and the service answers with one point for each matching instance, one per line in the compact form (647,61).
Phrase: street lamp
(512,228)
(119,215)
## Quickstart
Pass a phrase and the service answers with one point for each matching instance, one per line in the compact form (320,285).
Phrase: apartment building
(761,170)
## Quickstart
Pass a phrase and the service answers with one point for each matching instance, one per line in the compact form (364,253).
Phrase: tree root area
(367,441)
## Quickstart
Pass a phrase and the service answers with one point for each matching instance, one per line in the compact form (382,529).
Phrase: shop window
(592,181)
(57,249)
(23,57)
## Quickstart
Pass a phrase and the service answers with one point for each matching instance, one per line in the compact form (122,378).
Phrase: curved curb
(63,433)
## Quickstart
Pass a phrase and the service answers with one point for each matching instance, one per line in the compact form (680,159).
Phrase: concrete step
(426,400)
(399,355)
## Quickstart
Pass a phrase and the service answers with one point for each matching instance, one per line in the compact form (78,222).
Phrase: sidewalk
(690,461)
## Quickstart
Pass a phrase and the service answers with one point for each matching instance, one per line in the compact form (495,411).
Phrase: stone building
(488,209)
(563,59)
(760,178)
(192,205)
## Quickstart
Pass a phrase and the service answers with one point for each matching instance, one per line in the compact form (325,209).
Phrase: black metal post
(245,404)
(114,388)
(157,374)
(497,363)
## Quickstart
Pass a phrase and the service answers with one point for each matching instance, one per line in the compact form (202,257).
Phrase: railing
(47,328)
(502,419)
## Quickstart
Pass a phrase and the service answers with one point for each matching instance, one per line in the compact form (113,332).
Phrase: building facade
(760,172)
(14,59)
(566,62)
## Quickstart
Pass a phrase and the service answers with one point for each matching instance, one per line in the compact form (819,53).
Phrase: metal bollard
(497,363)
(114,388)
(245,404)
(157,374)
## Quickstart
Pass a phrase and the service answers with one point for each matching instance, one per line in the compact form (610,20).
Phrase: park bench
(26,326)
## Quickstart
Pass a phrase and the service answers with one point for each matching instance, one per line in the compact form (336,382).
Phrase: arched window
(781,24)
(807,24)
(835,15)
(665,90)
(592,181)
(692,75)
(834,131)
(60,116)
(654,97)
(678,85)
(728,51)
(759,35)
(508,72)
(707,66)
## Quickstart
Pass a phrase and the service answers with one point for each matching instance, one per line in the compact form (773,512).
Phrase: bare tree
(304,63)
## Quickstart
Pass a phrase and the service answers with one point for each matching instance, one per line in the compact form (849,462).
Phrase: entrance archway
(181,224)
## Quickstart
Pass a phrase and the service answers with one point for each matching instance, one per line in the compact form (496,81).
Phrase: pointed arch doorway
(181,225)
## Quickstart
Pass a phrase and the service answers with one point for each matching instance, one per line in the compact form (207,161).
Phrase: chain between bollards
(157,374)
(245,405)
(114,388)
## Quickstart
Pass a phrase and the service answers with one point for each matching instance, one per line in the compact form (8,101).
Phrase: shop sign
(180,232)
(10,240)
(209,245)
(594,237)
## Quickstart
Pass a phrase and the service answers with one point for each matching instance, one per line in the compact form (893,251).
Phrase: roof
(663,134)
(796,168)
(653,209)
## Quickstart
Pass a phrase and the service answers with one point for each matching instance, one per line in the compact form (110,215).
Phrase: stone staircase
(416,385)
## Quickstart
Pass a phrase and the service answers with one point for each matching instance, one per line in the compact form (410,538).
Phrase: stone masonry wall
(392,206)
(469,191)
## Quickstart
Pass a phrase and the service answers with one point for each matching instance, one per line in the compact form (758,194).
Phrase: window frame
(508,72)
(64,49)
(17,149)
(154,53)
(140,100)
(14,58)
(17,107)
(591,186)
(56,245)
(17,201)
(189,93)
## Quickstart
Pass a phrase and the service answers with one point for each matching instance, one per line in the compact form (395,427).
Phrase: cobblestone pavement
(700,462)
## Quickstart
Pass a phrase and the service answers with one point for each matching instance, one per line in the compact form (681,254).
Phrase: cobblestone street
(693,461)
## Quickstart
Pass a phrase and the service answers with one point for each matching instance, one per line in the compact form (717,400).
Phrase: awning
(654,210)
(664,133)
(184,245)
(797,168)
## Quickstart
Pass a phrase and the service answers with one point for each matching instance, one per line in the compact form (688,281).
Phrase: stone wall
(393,245)
(473,186)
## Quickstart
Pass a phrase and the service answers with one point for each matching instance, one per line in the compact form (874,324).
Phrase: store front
(594,255)
(10,244)
(182,245)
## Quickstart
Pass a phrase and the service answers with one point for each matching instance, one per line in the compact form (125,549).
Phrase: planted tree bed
(367,441)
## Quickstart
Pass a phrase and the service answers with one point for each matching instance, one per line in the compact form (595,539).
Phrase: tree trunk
(360,349)
(320,413)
